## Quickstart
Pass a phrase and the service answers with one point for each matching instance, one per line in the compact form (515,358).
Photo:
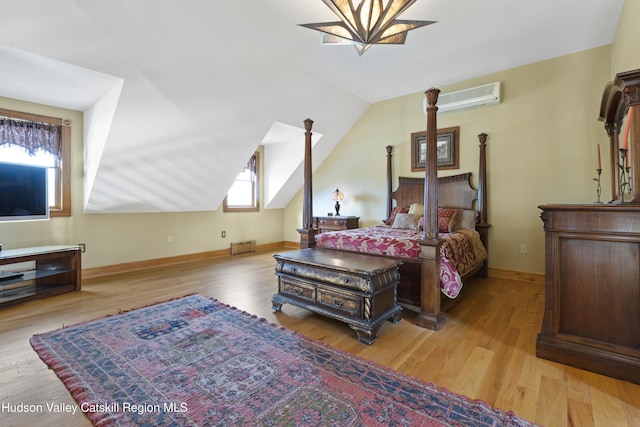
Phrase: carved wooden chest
(357,289)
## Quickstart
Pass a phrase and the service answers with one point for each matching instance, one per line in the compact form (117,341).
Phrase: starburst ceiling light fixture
(367,22)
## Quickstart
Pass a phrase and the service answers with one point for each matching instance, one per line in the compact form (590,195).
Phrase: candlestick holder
(598,187)
(625,180)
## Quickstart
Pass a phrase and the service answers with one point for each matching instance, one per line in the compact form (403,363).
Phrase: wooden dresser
(592,288)
(357,289)
(332,223)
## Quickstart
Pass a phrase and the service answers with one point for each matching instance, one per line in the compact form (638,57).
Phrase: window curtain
(31,136)
(252,165)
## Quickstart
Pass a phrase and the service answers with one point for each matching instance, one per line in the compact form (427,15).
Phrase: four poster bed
(437,228)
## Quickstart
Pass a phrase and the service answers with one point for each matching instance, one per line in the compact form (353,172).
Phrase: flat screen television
(23,192)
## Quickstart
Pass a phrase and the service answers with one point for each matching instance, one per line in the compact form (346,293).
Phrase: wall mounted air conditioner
(479,96)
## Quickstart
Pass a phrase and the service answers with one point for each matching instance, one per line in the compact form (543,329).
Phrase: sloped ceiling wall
(178,94)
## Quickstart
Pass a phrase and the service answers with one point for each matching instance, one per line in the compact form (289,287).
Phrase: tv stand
(33,273)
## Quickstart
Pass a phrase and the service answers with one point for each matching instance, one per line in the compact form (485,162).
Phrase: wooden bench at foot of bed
(357,289)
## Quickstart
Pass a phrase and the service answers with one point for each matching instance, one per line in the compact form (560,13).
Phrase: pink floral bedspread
(461,251)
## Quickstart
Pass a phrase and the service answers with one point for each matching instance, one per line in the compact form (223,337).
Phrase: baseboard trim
(522,276)
(130,267)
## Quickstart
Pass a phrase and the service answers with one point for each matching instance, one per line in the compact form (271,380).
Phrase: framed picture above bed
(448,149)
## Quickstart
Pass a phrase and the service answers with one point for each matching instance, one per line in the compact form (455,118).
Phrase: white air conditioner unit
(479,96)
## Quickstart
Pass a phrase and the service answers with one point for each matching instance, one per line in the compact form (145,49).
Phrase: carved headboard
(453,191)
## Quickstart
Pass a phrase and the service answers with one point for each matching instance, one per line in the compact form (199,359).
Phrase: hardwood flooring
(486,350)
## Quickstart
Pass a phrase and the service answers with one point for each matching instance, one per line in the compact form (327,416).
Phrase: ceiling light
(367,22)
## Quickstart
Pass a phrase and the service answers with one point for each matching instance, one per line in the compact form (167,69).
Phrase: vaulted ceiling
(177,95)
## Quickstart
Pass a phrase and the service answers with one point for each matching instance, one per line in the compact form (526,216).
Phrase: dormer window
(243,196)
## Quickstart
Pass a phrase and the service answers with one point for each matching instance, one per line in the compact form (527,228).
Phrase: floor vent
(243,247)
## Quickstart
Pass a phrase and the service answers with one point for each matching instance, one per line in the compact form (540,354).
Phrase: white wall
(541,149)
(120,238)
(626,43)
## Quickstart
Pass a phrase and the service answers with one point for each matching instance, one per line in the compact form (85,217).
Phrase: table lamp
(337,196)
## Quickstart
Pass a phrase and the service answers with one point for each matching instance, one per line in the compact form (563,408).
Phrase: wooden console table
(359,290)
(592,288)
(38,272)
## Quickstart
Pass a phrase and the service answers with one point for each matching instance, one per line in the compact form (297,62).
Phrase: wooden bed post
(389,180)
(431,169)
(431,316)
(483,226)
(307,232)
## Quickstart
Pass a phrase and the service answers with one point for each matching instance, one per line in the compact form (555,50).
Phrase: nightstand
(332,223)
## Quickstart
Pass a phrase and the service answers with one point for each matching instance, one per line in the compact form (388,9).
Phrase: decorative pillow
(468,219)
(407,221)
(448,219)
(416,208)
(394,212)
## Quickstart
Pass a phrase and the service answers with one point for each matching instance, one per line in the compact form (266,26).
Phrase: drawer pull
(345,280)
(293,269)
(297,291)
(338,302)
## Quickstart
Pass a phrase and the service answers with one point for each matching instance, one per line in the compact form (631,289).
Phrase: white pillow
(468,219)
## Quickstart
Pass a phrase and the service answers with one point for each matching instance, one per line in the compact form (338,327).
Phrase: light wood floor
(486,351)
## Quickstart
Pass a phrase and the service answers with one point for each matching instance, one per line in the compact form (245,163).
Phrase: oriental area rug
(195,361)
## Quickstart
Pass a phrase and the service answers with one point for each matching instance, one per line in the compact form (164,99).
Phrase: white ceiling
(177,95)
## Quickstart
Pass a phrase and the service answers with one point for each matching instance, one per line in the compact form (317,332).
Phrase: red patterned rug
(194,361)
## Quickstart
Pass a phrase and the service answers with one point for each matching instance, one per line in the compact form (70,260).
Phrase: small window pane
(240,194)
(243,194)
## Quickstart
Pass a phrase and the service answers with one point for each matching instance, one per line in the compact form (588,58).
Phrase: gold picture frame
(448,149)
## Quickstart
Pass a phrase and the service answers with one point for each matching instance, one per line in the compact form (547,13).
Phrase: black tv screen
(23,192)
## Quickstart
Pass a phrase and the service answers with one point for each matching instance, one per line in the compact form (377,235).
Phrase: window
(243,196)
(15,149)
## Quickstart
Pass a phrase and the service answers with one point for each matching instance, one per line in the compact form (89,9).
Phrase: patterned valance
(252,164)
(32,136)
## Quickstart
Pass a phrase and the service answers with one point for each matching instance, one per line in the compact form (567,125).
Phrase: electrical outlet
(83,247)
(523,248)
(170,238)
(224,234)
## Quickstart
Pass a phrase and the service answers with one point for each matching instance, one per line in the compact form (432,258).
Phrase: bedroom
(542,143)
